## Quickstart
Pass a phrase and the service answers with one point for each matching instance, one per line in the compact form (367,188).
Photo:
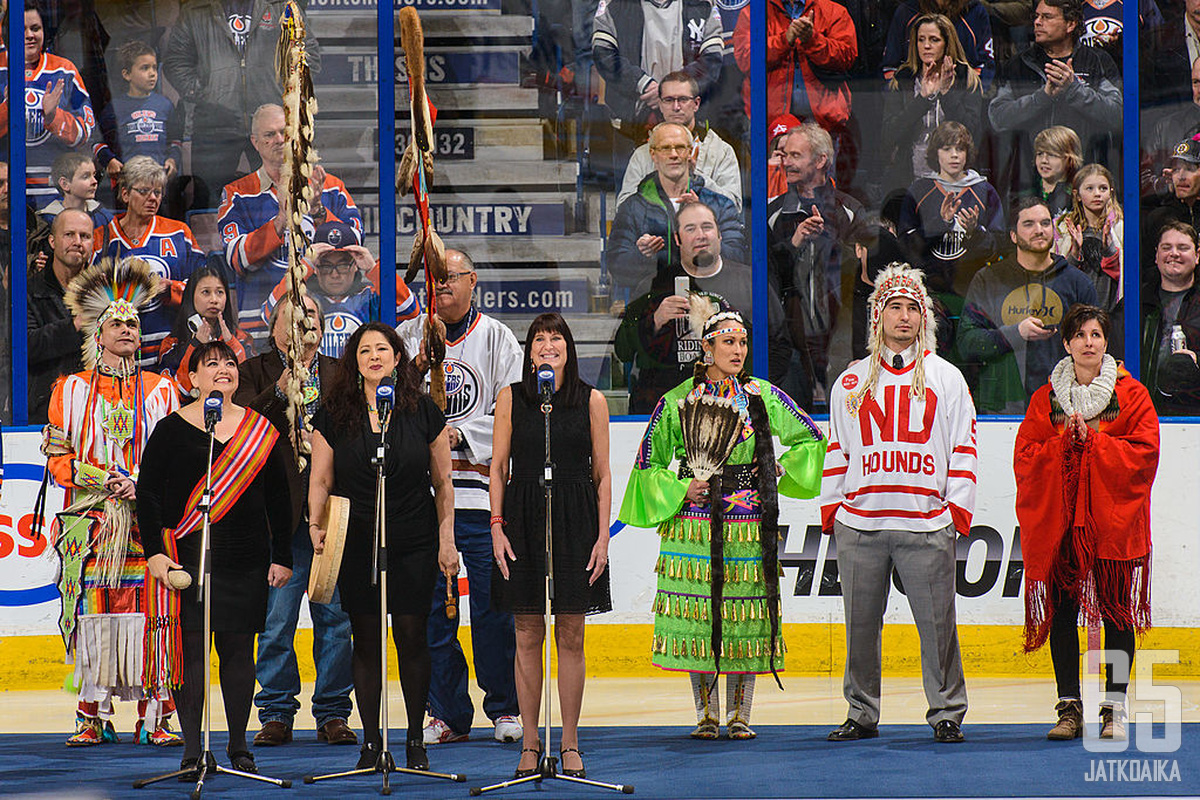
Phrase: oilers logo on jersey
(462,390)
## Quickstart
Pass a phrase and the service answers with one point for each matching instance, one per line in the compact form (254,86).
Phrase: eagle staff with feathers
(717,608)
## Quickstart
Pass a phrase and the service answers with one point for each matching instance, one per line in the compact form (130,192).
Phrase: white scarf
(1088,400)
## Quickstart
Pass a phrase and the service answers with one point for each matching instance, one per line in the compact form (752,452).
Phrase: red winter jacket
(833,48)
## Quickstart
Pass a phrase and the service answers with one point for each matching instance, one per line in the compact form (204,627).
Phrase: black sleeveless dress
(574,509)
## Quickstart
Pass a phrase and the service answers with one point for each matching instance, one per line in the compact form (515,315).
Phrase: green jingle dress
(656,496)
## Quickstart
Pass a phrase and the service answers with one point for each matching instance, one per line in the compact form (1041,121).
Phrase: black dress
(254,534)
(411,522)
(576,516)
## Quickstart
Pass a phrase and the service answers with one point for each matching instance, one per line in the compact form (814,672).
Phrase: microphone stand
(207,764)
(548,766)
(385,764)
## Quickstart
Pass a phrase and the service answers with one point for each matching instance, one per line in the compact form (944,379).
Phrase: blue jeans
(492,635)
(276,667)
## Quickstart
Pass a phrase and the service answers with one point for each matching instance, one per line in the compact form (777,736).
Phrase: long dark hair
(572,391)
(344,398)
(181,332)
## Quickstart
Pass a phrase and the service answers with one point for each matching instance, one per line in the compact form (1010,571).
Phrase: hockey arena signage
(449,143)
(355,69)
(487,219)
(419,5)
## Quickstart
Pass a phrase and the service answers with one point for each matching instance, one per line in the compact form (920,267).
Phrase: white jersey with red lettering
(895,462)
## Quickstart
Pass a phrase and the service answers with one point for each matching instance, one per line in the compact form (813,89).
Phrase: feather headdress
(109,290)
(898,279)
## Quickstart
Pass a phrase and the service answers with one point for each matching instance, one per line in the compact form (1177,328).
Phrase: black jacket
(1173,381)
(55,347)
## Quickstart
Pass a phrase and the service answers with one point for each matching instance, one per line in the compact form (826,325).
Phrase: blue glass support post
(16,195)
(758,183)
(1132,201)
(387,161)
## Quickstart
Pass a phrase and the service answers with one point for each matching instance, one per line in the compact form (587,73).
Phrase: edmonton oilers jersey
(170,249)
(343,317)
(46,140)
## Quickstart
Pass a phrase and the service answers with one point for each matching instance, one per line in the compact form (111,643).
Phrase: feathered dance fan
(109,290)
(711,426)
(299,161)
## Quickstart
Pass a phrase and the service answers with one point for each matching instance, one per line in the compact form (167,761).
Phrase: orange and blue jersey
(67,129)
(170,249)
(256,252)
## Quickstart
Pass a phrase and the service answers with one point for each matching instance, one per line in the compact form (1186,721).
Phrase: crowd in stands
(919,131)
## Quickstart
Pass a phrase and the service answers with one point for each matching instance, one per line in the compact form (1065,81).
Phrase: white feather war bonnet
(109,290)
(898,279)
(705,316)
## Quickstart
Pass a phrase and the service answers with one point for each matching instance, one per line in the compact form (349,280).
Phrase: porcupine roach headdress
(898,279)
(415,166)
(109,290)
(300,157)
(709,320)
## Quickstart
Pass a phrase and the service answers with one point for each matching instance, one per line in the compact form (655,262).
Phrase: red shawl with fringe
(1084,510)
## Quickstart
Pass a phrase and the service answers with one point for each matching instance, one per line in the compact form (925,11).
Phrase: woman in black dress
(251,541)
(419,522)
(581,501)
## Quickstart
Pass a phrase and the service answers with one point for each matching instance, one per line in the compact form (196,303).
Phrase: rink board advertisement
(989,561)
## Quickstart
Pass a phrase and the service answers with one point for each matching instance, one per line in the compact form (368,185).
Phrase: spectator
(715,161)
(776,174)
(935,84)
(1009,325)
(1165,52)
(971,23)
(344,277)
(1057,81)
(146,123)
(221,59)
(656,335)
(1177,205)
(1010,25)
(252,221)
(167,244)
(1169,130)
(1102,27)
(58,111)
(205,315)
(642,244)
(637,43)
(1169,368)
(1091,236)
(482,358)
(1056,156)
(53,334)
(810,228)
(811,44)
(74,176)
(950,222)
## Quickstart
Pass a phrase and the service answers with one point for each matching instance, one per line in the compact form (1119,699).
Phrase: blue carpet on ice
(661,762)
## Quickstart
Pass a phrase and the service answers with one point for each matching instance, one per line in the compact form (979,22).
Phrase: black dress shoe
(190,765)
(243,761)
(368,756)
(414,754)
(947,732)
(851,731)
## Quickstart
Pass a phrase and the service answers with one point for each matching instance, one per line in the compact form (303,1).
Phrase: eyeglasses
(678,100)
(341,269)
(146,191)
(452,277)
(673,149)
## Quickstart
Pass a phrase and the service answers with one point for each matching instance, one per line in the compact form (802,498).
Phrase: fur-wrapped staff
(415,166)
(717,608)
(300,159)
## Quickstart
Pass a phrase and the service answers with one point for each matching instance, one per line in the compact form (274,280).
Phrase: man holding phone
(1009,325)
(656,334)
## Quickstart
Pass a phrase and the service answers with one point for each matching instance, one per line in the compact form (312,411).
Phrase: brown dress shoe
(273,734)
(336,731)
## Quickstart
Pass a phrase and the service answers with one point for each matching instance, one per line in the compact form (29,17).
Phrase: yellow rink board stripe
(623,651)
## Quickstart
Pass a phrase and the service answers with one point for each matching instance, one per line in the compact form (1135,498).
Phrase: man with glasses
(344,277)
(482,357)
(678,101)
(643,243)
(252,222)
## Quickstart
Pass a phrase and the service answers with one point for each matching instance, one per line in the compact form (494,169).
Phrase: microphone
(212,409)
(385,399)
(545,382)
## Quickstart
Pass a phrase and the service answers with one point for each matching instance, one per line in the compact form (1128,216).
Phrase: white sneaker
(438,732)
(508,729)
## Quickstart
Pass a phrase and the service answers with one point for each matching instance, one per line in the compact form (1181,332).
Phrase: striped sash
(232,473)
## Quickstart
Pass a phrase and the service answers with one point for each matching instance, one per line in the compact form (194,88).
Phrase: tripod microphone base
(205,768)
(548,770)
(385,765)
